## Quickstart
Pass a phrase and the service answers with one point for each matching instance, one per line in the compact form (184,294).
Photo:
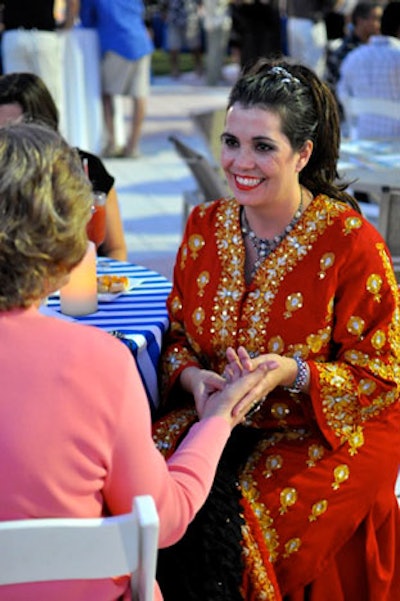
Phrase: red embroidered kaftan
(318,492)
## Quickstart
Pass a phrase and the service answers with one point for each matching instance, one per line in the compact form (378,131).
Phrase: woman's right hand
(201,383)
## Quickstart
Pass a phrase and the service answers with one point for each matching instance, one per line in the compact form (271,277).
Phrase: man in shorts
(183,33)
(126,49)
(306,32)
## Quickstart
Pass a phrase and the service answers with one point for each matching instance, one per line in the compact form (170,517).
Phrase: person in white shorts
(126,49)
(123,77)
(306,32)
(183,33)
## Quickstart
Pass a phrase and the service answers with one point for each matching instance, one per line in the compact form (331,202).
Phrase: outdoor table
(373,164)
(81,112)
(138,317)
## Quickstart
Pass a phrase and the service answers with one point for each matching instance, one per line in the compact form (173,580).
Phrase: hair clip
(286,77)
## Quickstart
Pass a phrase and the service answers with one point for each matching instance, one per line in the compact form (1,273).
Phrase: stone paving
(150,188)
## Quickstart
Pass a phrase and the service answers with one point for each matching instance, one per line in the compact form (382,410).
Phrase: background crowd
(270,336)
(220,36)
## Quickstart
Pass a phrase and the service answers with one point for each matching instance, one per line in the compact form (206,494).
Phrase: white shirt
(216,14)
(372,71)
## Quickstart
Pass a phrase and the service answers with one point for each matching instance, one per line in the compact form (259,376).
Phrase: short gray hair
(45,201)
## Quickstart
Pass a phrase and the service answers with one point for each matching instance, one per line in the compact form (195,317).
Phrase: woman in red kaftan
(303,506)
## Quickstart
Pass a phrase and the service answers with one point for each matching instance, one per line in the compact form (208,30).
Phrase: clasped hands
(244,382)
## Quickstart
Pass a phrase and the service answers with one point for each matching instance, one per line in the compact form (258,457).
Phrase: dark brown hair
(31,93)
(308,111)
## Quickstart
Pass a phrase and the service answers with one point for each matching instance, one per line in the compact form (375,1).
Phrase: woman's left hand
(282,371)
(201,383)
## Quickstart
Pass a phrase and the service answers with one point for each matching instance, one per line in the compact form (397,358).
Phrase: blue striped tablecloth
(140,315)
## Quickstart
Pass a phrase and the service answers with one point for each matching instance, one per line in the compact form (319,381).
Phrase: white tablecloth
(372,163)
(81,119)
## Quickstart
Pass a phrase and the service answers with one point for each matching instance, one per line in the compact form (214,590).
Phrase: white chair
(378,107)
(211,124)
(210,186)
(389,223)
(374,106)
(39,550)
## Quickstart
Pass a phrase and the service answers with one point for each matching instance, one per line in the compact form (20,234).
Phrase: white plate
(107,297)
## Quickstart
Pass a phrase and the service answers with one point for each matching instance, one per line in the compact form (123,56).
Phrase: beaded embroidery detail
(264,246)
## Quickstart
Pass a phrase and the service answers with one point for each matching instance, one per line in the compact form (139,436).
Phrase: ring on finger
(256,406)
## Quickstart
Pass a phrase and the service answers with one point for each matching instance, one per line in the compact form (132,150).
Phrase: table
(140,315)
(374,164)
(81,110)
(81,113)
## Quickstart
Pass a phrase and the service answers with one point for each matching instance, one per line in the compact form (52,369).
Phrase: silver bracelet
(301,378)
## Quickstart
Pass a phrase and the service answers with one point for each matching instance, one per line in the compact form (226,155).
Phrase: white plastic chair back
(40,550)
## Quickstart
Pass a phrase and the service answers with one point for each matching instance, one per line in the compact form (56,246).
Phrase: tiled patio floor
(150,188)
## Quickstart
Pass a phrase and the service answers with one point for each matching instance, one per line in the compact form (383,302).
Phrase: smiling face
(261,167)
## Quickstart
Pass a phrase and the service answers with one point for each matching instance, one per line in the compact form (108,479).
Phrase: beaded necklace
(265,246)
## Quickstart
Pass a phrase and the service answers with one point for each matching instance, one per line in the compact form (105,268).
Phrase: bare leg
(139,106)
(174,61)
(108,109)
(198,61)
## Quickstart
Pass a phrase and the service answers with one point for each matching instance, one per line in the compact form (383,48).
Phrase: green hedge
(160,62)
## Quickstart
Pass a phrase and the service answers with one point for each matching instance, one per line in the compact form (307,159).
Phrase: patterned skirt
(289,518)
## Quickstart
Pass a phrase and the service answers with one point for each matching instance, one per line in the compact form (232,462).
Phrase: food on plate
(112,283)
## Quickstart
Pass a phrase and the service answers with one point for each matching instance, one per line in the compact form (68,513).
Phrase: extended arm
(181,486)
(114,245)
